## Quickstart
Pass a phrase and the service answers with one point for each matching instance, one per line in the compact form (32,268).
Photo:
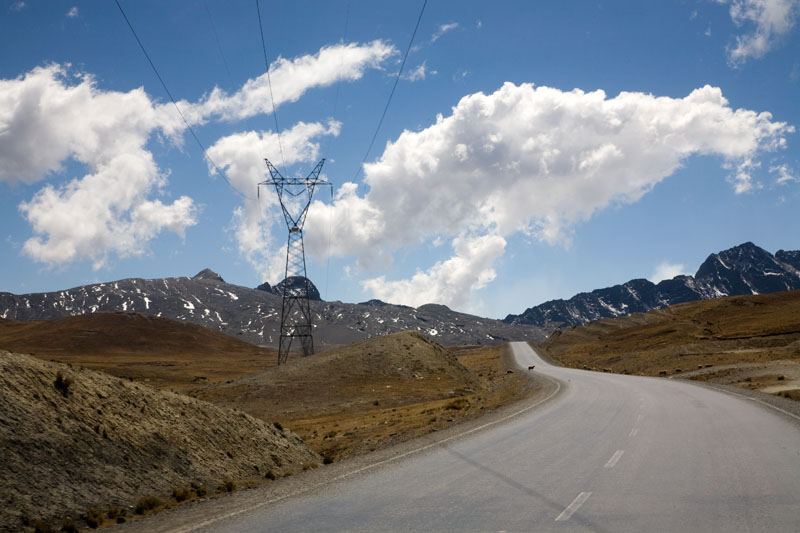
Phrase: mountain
(295,285)
(744,269)
(253,315)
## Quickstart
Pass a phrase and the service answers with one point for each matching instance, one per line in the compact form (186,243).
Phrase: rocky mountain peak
(208,274)
(296,285)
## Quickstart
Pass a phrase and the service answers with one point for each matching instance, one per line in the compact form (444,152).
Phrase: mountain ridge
(743,269)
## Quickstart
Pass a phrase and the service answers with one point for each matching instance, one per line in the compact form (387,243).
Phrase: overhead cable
(175,103)
(269,82)
(391,94)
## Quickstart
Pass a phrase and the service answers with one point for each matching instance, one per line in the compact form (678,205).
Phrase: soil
(752,342)
(77,443)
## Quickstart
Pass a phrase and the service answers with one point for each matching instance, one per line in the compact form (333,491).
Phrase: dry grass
(375,393)
(740,340)
(164,353)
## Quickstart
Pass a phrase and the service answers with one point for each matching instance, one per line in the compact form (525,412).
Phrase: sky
(531,150)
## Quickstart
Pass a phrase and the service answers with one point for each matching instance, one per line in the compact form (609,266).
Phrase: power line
(175,103)
(391,94)
(219,44)
(269,81)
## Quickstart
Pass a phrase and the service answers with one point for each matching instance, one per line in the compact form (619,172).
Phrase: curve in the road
(612,453)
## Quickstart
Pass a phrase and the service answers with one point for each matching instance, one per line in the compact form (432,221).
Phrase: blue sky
(532,150)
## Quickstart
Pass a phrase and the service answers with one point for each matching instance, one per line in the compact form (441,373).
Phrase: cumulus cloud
(772,20)
(667,270)
(290,78)
(48,117)
(444,28)
(535,160)
(51,119)
(450,281)
(73,12)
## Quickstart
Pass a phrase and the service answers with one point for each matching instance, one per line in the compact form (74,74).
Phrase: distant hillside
(168,353)
(72,440)
(744,269)
(253,315)
(725,331)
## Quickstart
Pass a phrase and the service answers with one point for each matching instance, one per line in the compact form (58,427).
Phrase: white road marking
(579,500)
(639,418)
(634,432)
(614,458)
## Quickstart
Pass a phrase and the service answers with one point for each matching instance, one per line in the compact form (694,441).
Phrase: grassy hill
(749,341)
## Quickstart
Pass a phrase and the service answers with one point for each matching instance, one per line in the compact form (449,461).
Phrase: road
(609,453)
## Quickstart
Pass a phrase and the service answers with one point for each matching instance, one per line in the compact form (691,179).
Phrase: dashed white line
(639,418)
(634,432)
(614,459)
(579,500)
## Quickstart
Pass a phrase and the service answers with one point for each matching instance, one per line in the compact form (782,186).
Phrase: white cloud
(444,28)
(51,119)
(419,73)
(48,117)
(667,271)
(531,160)
(785,175)
(17,6)
(773,19)
(73,12)
(449,281)
(290,80)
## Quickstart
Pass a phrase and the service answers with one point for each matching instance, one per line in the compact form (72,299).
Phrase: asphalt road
(610,453)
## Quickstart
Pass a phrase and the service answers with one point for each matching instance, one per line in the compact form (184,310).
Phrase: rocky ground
(80,446)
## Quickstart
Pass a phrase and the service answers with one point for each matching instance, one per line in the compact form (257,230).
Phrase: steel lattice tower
(294,195)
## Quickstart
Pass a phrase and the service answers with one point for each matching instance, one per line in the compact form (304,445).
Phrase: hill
(74,440)
(744,269)
(167,353)
(373,393)
(750,341)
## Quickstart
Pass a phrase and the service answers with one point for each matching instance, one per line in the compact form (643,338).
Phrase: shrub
(271,476)
(40,526)
(199,489)
(68,526)
(147,504)
(62,384)
(278,426)
(115,512)
(327,458)
(182,494)
(227,486)
(94,517)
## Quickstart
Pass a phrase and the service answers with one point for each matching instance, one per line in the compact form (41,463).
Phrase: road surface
(609,453)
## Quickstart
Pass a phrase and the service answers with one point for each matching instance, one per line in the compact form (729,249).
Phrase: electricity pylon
(294,195)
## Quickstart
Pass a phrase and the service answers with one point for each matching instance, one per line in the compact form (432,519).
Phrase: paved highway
(609,453)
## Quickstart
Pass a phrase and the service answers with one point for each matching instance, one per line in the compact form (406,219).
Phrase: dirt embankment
(84,445)
(748,341)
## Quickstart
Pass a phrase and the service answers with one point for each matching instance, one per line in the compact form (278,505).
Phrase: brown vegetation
(748,341)
(374,393)
(165,353)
